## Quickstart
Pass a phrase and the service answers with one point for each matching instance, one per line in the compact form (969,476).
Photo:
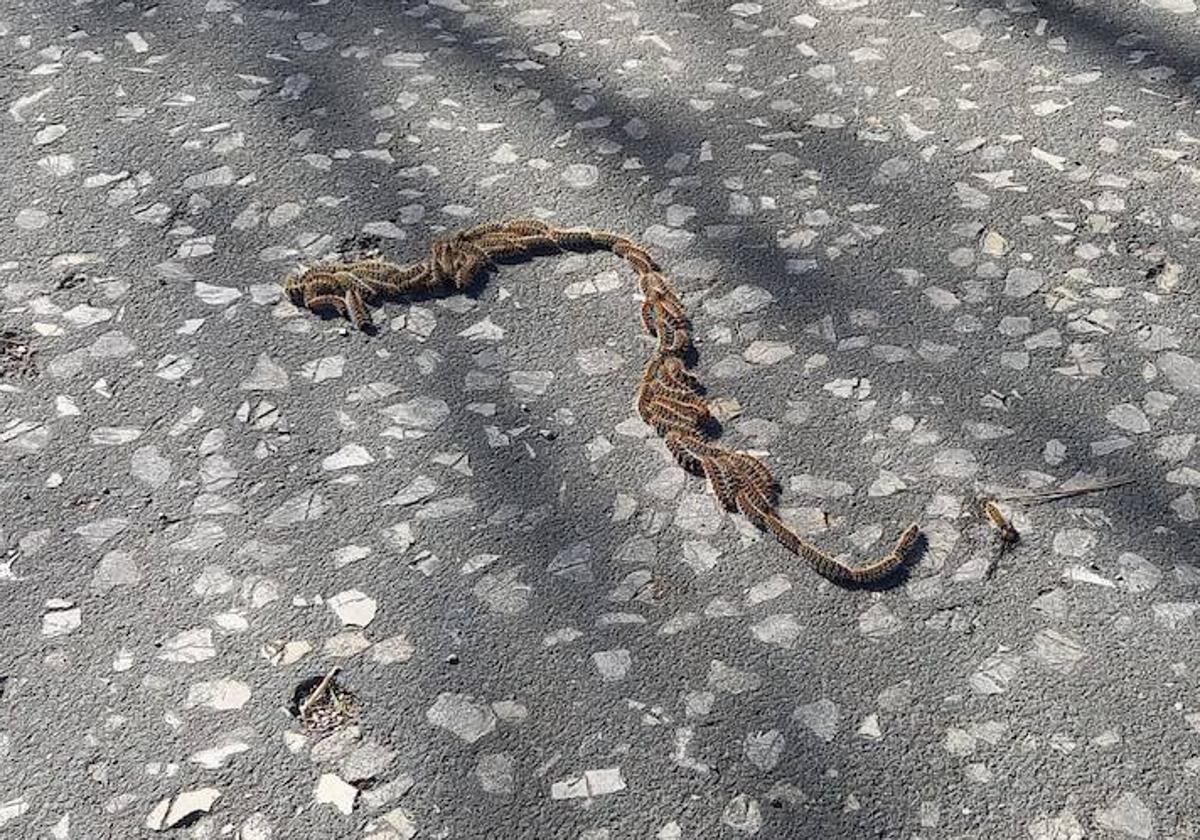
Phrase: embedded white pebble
(354,608)
(821,718)
(463,716)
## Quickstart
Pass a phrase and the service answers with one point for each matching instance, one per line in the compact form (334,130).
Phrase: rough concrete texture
(934,253)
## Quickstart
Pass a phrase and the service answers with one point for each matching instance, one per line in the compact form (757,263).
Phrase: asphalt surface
(933,254)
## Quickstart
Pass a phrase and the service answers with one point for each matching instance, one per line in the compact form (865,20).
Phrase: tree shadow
(752,250)
(751,247)
(1101,31)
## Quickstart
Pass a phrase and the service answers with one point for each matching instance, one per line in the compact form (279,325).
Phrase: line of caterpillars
(668,395)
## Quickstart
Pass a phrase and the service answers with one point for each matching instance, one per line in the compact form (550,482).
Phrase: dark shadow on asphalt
(1091,30)
(838,285)
(752,253)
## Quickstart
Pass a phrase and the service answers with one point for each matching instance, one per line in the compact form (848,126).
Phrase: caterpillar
(668,397)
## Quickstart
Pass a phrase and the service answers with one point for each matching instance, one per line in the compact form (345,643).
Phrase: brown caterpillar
(1008,533)
(668,396)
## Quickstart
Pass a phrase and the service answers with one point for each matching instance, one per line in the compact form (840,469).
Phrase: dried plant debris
(1037,497)
(16,354)
(323,704)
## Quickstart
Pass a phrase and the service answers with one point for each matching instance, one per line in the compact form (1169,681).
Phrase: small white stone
(581,175)
(220,176)
(61,620)
(1080,574)
(30,218)
(1045,108)
(782,630)
(325,368)
(122,660)
(256,827)
(869,728)
(967,39)
(745,9)
(597,361)
(858,388)
(606,781)
(83,315)
(1065,826)
(136,41)
(190,646)
(590,784)
(768,589)
(504,592)
(1129,418)
(887,484)
(282,653)
(307,506)
(496,772)
(768,352)
(1129,816)
(484,330)
(741,301)
(49,134)
(504,154)
(955,463)
(959,742)
(332,790)
(348,554)
(1177,7)
(1188,476)
(401,824)
(879,622)
(700,556)
(170,812)
(462,715)
(349,456)
(58,165)
(365,762)
(732,680)
(1175,614)
(116,568)
(821,718)
(12,808)
(995,673)
(266,376)
(699,514)
(667,484)
(213,581)
(763,749)
(216,295)
(1137,574)
(1075,542)
(743,815)
(613,665)
(1057,651)
(821,488)
(114,435)
(219,695)
(354,608)
(531,382)
(1183,372)
(1022,282)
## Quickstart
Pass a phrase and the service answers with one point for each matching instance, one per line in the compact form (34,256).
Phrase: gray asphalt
(933,254)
